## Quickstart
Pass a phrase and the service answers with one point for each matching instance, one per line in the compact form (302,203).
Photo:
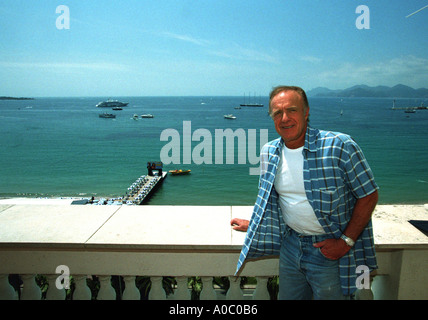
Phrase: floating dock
(143,188)
(138,192)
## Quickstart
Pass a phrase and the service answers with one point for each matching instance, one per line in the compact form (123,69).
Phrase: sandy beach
(38,201)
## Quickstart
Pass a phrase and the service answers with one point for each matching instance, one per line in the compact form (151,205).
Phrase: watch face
(348,241)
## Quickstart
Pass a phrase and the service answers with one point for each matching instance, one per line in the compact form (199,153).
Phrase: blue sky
(208,47)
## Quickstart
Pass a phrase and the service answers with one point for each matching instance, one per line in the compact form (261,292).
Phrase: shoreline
(70,199)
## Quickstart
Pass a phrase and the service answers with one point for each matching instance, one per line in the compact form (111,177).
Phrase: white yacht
(111,104)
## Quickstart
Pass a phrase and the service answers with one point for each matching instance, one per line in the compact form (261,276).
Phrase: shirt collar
(310,139)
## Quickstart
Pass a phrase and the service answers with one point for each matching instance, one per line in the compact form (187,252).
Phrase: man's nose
(284,116)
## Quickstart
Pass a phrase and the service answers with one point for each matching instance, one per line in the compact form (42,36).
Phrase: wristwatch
(348,240)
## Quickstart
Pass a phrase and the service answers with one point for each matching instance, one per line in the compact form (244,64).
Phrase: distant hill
(398,91)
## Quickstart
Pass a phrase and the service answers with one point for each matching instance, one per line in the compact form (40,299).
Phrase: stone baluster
(30,290)
(235,291)
(106,290)
(207,292)
(182,292)
(81,291)
(7,292)
(131,291)
(53,292)
(156,291)
(261,292)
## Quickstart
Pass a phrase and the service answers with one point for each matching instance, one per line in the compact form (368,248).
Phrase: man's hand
(239,224)
(333,248)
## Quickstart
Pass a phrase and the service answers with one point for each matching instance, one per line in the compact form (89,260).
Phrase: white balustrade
(53,292)
(261,292)
(182,292)
(235,291)
(106,290)
(156,291)
(207,292)
(32,291)
(6,290)
(131,291)
(172,241)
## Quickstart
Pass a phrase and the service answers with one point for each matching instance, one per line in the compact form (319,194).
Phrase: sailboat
(250,104)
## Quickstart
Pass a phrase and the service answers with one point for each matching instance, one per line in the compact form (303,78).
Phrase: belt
(309,238)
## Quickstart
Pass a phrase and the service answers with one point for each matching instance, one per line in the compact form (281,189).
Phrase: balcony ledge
(181,241)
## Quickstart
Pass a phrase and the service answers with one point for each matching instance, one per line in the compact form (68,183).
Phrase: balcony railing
(157,252)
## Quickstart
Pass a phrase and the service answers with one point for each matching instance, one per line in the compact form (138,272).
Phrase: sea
(60,147)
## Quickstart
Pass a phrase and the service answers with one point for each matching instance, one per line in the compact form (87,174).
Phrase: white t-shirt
(296,210)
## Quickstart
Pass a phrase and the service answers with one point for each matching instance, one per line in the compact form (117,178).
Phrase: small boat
(229,116)
(135,116)
(107,115)
(410,110)
(179,172)
(147,115)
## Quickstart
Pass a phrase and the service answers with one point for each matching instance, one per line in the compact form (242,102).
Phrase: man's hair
(280,89)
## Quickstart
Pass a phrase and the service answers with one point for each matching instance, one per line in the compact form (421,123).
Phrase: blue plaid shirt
(335,174)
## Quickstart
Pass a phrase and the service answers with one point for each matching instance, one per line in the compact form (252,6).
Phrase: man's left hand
(333,248)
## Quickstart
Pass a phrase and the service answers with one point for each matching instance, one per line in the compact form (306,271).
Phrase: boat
(179,172)
(107,115)
(229,116)
(250,104)
(147,115)
(111,104)
(135,116)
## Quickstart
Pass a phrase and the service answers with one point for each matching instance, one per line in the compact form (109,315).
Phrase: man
(314,206)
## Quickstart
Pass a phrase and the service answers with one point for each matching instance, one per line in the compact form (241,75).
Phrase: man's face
(290,118)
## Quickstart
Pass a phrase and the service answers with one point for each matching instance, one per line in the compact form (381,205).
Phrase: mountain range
(398,91)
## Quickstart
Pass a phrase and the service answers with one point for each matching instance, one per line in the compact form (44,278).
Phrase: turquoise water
(54,147)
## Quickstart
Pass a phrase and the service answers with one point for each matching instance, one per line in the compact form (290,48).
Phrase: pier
(138,192)
(145,185)
(143,188)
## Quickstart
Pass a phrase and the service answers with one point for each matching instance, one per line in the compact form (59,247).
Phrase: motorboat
(147,115)
(135,116)
(229,116)
(107,115)
(111,104)
(179,172)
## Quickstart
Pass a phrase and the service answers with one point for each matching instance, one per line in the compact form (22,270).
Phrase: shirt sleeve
(358,173)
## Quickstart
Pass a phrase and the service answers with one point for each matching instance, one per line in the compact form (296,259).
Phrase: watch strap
(348,240)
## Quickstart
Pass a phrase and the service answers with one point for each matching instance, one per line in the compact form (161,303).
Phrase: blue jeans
(304,272)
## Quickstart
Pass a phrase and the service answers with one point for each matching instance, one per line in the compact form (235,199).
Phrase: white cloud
(186,38)
(238,52)
(409,70)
